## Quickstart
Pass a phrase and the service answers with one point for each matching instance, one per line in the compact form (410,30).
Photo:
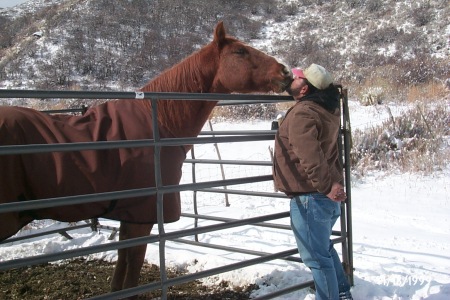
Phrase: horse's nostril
(286,71)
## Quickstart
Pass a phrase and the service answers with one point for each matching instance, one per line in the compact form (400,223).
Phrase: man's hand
(337,192)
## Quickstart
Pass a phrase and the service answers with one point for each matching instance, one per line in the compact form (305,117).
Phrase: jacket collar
(327,98)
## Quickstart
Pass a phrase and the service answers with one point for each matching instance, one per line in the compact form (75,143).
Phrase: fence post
(346,220)
(227,203)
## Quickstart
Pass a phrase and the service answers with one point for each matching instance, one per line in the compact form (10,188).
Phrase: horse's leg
(130,260)
(121,266)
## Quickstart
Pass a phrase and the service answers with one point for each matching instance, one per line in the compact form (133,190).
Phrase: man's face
(298,88)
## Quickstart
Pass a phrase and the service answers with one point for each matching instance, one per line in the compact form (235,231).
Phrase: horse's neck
(185,118)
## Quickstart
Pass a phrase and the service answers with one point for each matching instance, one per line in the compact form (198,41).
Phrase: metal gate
(342,237)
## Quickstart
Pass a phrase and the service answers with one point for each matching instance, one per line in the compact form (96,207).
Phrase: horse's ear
(219,34)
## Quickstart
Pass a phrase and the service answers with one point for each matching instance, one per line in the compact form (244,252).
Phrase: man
(308,170)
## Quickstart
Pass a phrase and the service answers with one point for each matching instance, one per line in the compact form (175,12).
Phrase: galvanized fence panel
(343,237)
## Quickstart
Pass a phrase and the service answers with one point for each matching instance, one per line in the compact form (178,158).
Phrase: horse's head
(244,69)
(226,65)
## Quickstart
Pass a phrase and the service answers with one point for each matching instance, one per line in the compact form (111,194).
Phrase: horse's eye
(240,51)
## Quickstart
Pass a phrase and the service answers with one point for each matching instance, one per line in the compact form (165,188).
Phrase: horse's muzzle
(288,78)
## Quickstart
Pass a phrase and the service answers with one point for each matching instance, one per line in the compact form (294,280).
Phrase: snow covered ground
(401,227)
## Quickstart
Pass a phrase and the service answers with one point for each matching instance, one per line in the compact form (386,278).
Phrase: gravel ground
(80,279)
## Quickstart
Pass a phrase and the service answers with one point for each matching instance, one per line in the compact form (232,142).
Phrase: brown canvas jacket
(306,155)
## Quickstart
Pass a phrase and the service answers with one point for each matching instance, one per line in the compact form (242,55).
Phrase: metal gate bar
(190,277)
(34,235)
(101,145)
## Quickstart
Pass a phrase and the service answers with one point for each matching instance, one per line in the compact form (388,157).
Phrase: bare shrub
(382,36)
(7,33)
(290,9)
(367,60)
(380,82)
(414,142)
(422,15)
(374,6)
(421,69)
(372,96)
(409,40)
(354,3)
(299,50)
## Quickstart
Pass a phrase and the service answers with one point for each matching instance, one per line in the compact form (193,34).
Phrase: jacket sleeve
(304,138)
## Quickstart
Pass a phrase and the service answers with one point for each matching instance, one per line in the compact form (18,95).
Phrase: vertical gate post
(346,218)
(159,197)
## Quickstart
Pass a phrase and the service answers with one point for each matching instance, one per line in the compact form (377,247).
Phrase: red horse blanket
(47,175)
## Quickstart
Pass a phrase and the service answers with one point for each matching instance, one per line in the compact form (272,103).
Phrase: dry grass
(426,92)
(415,142)
(387,80)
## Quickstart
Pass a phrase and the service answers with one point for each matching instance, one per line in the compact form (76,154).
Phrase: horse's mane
(194,74)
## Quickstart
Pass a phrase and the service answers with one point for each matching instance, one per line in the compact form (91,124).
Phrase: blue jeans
(312,219)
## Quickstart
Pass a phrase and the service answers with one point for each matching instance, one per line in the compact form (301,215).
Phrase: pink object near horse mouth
(298,73)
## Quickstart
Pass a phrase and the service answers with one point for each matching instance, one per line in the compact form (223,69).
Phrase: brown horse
(225,65)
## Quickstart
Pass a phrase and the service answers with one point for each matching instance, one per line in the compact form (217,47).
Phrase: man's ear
(305,89)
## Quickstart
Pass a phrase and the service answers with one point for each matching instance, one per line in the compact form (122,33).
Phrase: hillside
(395,53)
(391,45)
